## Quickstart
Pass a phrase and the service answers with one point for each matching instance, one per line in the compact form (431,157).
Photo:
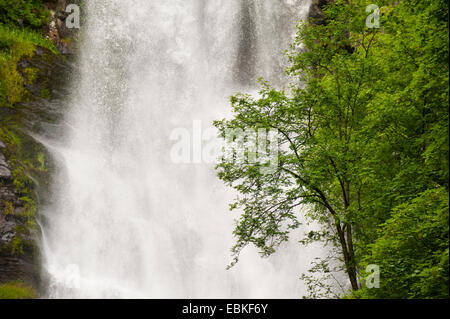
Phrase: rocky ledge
(25,165)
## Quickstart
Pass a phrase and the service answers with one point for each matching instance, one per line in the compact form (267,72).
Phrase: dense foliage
(364,136)
(26,13)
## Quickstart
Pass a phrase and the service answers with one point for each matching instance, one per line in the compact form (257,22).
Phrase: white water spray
(128,222)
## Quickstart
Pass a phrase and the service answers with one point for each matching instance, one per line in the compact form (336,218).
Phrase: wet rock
(37,115)
(16,267)
(64,38)
(7,232)
(3,160)
(18,246)
(5,173)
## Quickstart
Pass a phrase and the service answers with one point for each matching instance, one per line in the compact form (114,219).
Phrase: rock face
(15,264)
(16,257)
(65,38)
(5,173)
(25,166)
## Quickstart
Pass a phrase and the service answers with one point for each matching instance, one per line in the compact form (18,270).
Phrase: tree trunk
(349,256)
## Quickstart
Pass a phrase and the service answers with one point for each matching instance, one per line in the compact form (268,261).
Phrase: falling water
(127,221)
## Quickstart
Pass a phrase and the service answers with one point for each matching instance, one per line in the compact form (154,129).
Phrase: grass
(16,290)
(10,36)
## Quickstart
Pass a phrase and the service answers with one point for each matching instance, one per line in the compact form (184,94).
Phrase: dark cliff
(33,89)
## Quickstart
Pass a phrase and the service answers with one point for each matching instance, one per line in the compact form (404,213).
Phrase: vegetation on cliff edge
(22,27)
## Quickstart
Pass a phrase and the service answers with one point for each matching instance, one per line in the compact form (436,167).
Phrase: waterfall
(125,220)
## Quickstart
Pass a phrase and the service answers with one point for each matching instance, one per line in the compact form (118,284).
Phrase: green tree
(412,250)
(363,129)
